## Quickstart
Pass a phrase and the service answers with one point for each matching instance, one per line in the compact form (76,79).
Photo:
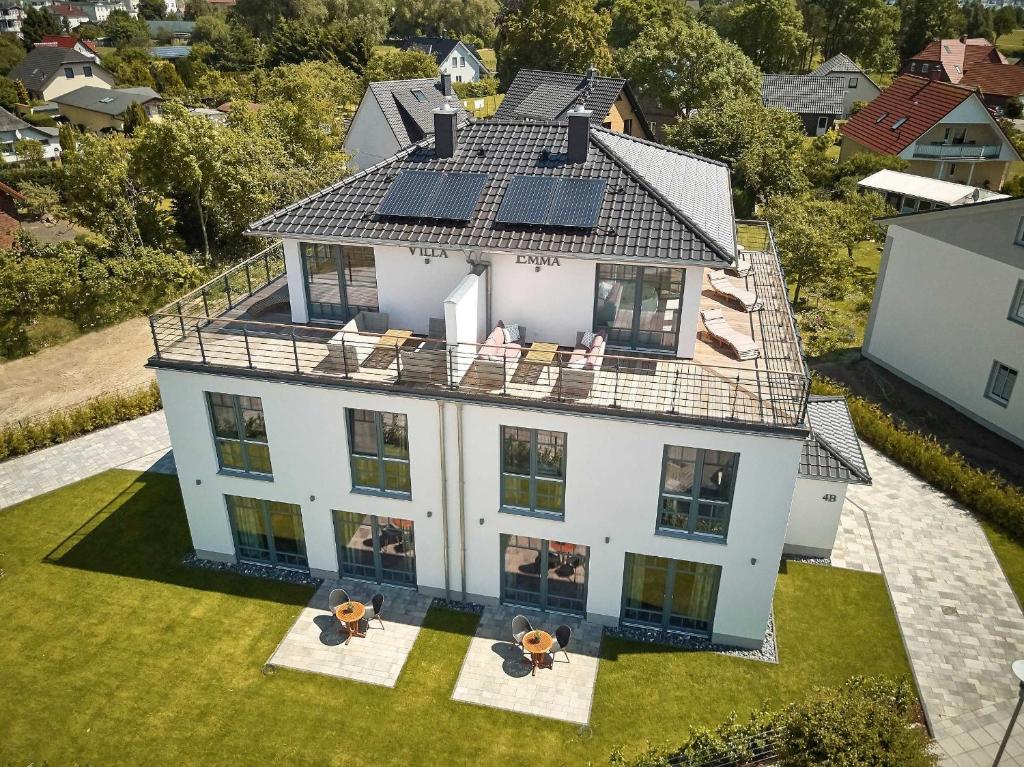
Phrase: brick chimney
(445,137)
(579,133)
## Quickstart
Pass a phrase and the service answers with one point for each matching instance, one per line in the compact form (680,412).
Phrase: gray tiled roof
(410,119)
(832,451)
(108,101)
(10,122)
(804,94)
(42,62)
(538,95)
(838,63)
(636,219)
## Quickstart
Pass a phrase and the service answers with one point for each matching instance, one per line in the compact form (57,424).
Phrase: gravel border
(823,561)
(266,572)
(457,606)
(767,653)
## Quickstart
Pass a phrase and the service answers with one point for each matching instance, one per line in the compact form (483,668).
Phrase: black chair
(562,635)
(520,628)
(377,603)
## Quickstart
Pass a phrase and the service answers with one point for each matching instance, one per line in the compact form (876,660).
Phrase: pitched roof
(832,450)
(840,63)
(995,79)
(11,122)
(637,217)
(919,102)
(411,119)
(67,41)
(956,55)
(42,62)
(108,101)
(438,47)
(804,94)
(539,95)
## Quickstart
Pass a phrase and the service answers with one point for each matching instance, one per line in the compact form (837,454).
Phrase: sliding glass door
(673,594)
(638,307)
(548,575)
(267,531)
(379,549)
(341,280)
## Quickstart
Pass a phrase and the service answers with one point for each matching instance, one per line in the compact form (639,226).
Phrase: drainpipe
(444,501)
(462,501)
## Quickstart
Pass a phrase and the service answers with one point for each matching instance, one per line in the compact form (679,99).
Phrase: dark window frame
(1017,306)
(990,393)
(381,459)
(544,598)
(635,330)
(343,311)
(241,438)
(274,558)
(665,621)
(694,499)
(532,476)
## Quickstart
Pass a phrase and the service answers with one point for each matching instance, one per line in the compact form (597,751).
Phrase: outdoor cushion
(511,333)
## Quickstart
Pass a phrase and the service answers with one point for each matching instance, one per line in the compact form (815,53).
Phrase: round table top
(538,641)
(350,612)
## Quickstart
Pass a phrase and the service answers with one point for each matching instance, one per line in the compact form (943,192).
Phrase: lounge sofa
(579,373)
(497,357)
(350,347)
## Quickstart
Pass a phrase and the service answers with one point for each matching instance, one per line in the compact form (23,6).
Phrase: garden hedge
(983,492)
(52,429)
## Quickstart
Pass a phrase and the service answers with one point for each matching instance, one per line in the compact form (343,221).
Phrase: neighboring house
(71,16)
(85,47)
(99,11)
(948,309)
(102,109)
(170,52)
(859,87)
(947,60)
(383,422)
(13,129)
(49,71)
(998,83)
(908,193)
(830,461)
(395,114)
(180,31)
(453,57)
(943,130)
(817,101)
(213,115)
(538,95)
(11,17)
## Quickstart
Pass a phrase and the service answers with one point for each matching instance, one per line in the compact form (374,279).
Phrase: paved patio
(316,642)
(494,674)
(854,548)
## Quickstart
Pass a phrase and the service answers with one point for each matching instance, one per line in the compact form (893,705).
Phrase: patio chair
(335,598)
(377,603)
(742,266)
(726,288)
(497,357)
(520,628)
(722,332)
(562,635)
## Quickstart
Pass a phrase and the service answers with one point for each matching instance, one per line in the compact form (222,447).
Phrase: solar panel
(547,201)
(430,194)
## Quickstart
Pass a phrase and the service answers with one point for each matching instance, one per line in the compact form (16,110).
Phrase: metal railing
(761,748)
(958,151)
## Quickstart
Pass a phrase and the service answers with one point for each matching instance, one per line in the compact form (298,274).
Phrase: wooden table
(392,339)
(537,643)
(350,613)
(542,353)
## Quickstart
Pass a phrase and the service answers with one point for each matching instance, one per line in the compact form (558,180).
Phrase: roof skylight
(419,95)
(898,123)
(881,117)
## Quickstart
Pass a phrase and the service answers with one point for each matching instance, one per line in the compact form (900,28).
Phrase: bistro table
(537,643)
(392,339)
(543,354)
(350,613)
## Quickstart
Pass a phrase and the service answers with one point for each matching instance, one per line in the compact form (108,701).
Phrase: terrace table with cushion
(350,613)
(538,643)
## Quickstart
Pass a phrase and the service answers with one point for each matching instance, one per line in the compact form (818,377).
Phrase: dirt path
(96,363)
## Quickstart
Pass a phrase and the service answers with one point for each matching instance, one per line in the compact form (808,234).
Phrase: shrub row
(983,492)
(52,429)
(866,721)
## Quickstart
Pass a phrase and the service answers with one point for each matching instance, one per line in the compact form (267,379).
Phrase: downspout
(444,501)
(462,500)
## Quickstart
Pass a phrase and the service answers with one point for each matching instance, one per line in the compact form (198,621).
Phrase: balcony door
(671,594)
(379,549)
(341,281)
(638,307)
(548,575)
(268,532)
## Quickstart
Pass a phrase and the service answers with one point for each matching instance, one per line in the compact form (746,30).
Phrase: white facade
(814,517)
(462,65)
(945,308)
(11,17)
(8,140)
(859,87)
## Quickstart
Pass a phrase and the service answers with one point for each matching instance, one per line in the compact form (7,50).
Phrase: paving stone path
(960,620)
(142,444)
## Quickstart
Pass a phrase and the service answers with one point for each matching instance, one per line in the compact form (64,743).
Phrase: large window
(696,491)
(267,531)
(240,434)
(672,594)
(379,449)
(549,575)
(638,307)
(1017,307)
(341,280)
(378,549)
(1000,383)
(533,471)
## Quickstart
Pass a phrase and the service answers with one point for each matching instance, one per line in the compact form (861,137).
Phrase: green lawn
(1012,42)
(1010,554)
(113,653)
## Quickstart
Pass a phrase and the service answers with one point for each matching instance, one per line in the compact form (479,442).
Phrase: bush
(110,409)
(985,493)
(486,86)
(39,119)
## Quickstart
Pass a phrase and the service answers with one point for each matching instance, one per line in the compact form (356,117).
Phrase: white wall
(412,291)
(469,72)
(60,84)
(369,139)
(866,90)
(814,517)
(940,319)
(971,112)
(296,285)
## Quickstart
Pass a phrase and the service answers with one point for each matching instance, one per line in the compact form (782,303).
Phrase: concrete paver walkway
(960,620)
(141,444)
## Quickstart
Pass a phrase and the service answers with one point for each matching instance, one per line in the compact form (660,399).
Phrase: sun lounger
(722,332)
(742,266)
(726,288)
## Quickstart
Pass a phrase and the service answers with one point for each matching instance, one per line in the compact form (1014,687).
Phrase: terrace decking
(246,327)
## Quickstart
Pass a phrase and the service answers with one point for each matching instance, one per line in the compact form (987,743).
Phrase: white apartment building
(480,369)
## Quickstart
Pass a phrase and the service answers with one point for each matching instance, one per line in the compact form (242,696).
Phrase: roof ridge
(863,476)
(572,74)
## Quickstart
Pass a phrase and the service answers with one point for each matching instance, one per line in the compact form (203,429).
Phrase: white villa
(517,362)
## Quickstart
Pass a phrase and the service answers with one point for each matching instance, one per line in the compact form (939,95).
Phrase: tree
(978,21)
(11,52)
(298,40)
(195,9)
(37,24)
(687,67)
(393,64)
(9,96)
(88,31)
(168,81)
(922,21)
(124,31)
(233,47)
(30,152)
(807,236)
(130,67)
(68,135)
(152,9)
(558,35)
(1004,21)
(631,17)
(440,17)
(134,118)
(770,32)
(865,30)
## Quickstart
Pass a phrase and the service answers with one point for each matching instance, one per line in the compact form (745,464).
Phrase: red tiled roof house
(943,130)
(947,60)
